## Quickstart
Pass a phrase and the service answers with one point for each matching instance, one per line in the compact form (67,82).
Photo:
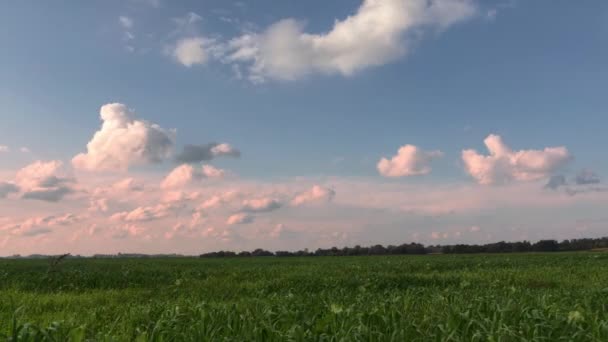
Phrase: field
(517,297)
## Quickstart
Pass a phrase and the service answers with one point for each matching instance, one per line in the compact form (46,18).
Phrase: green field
(516,297)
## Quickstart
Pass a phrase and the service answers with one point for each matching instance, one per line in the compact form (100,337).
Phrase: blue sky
(532,72)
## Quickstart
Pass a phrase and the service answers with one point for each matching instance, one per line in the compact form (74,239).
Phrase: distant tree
(546,246)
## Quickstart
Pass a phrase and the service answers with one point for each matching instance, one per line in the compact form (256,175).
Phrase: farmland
(500,297)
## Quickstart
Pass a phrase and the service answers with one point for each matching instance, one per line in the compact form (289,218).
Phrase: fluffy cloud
(240,218)
(186,174)
(4,148)
(191,51)
(198,153)
(123,141)
(40,225)
(128,185)
(142,214)
(379,32)
(409,161)
(504,165)
(125,21)
(7,188)
(218,200)
(45,181)
(315,194)
(261,205)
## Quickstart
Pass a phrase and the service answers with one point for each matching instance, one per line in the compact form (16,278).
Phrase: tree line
(419,249)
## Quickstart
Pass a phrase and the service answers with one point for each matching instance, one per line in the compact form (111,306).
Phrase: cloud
(261,205)
(129,185)
(24,149)
(218,200)
(180,176)
(191,51)
(186,174)
(503,165)
(40,225)
(47,194)
(125,21)
(198,153)
(315,195)
(7,188)
(556,182)
(240,218)
(4,149)
(123,141)
(44,181)
(143,214)
(585,177)
(379,32)
(409,161)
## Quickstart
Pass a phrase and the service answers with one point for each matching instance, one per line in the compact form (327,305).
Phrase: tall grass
(528,297)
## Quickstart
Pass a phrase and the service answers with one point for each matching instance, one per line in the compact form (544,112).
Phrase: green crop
(515,297)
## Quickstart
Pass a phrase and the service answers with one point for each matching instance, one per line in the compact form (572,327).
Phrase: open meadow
(506,297)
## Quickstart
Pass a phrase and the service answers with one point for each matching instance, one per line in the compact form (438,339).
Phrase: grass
(516,297)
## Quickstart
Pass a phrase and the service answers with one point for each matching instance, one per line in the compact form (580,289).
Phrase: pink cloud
(503,165)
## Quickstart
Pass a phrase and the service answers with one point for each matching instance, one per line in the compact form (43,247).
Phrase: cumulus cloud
(40,225)
(149,213)
(191,51)
(503,165)
(45,181)
(317,194)
(123,141)
(261,205)
(128,185)
(7,188)
(410,160)
(240,218)
(198,153)
(218,200)
(379,32)
(186,174)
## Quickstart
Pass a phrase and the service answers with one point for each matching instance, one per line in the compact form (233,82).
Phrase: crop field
(505,297)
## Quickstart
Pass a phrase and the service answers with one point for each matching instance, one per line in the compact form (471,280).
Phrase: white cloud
(123,141)
(379,32)
(24,150)
(409,161)
(240,218)
(4,148)
(315,194)
(125,21)
(504,165)
(185,174)
(212,172)
(180,176)
(192,51)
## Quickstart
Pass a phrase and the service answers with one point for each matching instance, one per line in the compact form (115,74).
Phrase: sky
(156,126)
